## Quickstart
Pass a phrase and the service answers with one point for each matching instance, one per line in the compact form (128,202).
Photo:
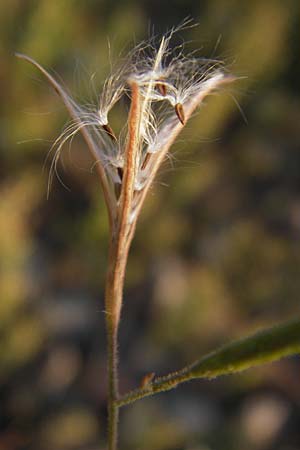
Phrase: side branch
(265,346)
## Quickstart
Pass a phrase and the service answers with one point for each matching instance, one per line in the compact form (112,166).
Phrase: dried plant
(165,87)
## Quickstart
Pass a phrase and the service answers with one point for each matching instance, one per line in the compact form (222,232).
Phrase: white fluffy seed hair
(171,85)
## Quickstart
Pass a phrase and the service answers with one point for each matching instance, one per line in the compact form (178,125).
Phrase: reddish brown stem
(121,237)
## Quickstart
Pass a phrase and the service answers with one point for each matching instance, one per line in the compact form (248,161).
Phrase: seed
(120,173)
(162,88)
(108,130)
(146,159)
(180,112)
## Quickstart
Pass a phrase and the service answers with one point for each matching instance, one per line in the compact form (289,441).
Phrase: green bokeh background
(216,253)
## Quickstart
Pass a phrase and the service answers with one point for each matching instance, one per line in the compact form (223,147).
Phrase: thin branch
(265,346)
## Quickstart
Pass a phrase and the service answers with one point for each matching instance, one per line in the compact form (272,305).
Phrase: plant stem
(118,255)
(122,232)
(113,298)
(113,409)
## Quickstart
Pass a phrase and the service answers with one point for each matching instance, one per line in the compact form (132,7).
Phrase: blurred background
(216,254)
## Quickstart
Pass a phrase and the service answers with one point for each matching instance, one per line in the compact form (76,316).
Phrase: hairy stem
(265,346)
(121,236)
(113,409)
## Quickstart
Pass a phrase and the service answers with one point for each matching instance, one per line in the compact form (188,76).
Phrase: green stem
(265,346)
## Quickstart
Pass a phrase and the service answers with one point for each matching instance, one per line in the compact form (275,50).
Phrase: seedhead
(169,86)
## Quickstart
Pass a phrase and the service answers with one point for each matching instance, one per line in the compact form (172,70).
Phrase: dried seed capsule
(162,88)
(180,112)
(108,130)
